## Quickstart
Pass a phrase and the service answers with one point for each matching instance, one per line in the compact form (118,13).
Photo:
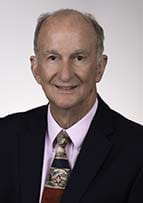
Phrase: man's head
(67,12)
(69,62)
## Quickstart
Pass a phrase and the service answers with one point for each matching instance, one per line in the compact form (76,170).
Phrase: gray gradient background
(122,84)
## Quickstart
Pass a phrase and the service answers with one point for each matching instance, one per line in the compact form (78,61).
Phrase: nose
(65,72)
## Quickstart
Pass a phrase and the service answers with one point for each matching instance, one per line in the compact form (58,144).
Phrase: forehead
(73,27)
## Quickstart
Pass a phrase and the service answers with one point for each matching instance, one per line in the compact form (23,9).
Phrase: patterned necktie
(59,172)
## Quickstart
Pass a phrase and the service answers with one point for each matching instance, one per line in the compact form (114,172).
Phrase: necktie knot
(62,138)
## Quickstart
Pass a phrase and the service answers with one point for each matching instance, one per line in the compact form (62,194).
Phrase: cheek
(90,83)
(88,76)
(45,75)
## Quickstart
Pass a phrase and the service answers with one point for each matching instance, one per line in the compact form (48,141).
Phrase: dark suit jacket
(109,168)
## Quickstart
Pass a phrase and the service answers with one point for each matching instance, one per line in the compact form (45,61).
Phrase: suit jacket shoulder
(126,126)
(22,116)
(21,135)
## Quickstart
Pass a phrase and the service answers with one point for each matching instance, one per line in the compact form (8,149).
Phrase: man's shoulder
(127,131)
(124,123)
(20,117)
(120,122)
(18,124)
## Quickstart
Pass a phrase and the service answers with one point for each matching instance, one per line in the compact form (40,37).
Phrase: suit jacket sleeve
(136,194)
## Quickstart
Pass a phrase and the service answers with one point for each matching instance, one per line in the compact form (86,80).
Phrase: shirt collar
(77,132)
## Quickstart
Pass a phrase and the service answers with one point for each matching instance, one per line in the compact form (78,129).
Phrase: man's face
(67,67)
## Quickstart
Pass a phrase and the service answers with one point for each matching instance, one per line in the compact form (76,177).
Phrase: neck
(68,117)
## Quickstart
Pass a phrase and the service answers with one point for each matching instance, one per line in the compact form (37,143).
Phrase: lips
(66,87)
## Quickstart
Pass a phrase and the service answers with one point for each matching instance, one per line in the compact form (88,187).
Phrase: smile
(66,87)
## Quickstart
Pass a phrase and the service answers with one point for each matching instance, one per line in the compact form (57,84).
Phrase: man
(105,151)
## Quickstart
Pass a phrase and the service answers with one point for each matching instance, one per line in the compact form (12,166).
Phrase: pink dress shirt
(77,133)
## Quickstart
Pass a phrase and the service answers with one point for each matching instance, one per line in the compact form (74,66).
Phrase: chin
(64,105)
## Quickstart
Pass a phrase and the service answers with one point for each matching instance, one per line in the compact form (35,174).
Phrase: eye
(79,58)
(52,57)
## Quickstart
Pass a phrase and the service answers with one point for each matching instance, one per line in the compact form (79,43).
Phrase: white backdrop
(122,84)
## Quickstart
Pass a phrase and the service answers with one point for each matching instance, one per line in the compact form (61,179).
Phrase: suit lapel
(31,155)
(93,153)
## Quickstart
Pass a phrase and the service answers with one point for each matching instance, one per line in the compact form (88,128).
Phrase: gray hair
(65,12)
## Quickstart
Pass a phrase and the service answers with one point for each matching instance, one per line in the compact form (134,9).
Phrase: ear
(101,67)
(35,68)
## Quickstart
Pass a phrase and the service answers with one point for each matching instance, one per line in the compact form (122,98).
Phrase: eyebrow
(81,51)
(52,51)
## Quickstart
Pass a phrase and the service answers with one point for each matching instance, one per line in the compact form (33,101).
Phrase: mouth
(66,88)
